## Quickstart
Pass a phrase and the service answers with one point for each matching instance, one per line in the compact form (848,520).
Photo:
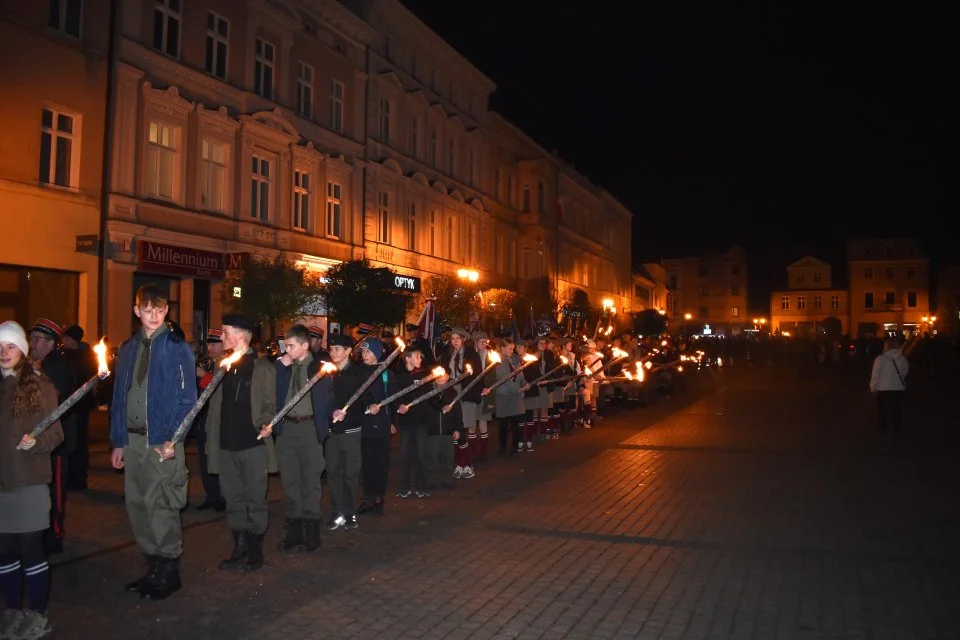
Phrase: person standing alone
(888,381)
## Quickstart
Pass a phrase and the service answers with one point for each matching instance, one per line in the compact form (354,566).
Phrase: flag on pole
(426,325)
(532,332)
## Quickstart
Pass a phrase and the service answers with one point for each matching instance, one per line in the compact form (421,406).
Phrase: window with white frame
(385,120)
(66,16)
(260,178)
(213,171)
(451,155)
(336,105)
(217,46)
(452,253)
(525,199)
(734,312)
(817,277)
(889,273)
(412,226)
(263,61)
(334,210)
(868,273)
(301,200)
(801,277)
(304,90)
(834,302)
(432,148)
(784,303)
(166,27)
(414,137)
(383,218)
(801,303)
(817,303)
(59,147)
(432,232)
(161,159)
(541,197)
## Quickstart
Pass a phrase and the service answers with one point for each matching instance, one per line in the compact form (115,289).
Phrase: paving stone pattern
(756,504)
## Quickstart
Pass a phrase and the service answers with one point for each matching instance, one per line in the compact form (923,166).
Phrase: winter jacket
(884,376)
(320,395)
(58,369)
(378,425)
(171,387)
(419,415)
(445,423)
(508,399)
(339,389)
(18,468)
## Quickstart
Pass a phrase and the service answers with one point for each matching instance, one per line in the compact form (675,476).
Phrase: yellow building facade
(889,286)
(708,292)
(51,161)
(809,301)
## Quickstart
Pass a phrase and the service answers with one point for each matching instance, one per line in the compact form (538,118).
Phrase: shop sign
(166,258)
(236,261)
(88,244)
(407,283)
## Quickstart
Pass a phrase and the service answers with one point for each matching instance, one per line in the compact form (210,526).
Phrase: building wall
(808,307)
(711,288)
(896,273)
(66,75)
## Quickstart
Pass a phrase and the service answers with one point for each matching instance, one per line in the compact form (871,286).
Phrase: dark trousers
(60,465)
(375,461)
(211,484)
(509,425)
(343,472)
(890,410)
(413,445)
(80,458)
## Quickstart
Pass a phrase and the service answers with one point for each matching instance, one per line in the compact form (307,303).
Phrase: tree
(271,292)
(539,298)
(649,322)
(575,308)
(455,299)
(499,307)
(355,292)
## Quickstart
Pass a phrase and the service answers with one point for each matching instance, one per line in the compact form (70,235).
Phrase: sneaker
(468,473)
(458,473)
(352,522)
(404,494)
(35,626)
(422,494)
(10,621)
(529,447)
(336,523)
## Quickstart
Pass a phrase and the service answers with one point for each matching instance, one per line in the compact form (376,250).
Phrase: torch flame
(648,364)
(627,374)
(493,356)
(101,351)
(564,360)
(401,344)
(619,353)
(467,370)
(609,330)
(230,360)
(529,357)
(328,367)
(640,373)
(436,372)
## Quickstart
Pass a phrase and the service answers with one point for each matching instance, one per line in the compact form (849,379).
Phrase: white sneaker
(468,473)
(458,472)
(10,621)
(529,447)
(35,626)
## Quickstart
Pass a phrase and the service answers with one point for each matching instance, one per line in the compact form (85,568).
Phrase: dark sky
(785,129)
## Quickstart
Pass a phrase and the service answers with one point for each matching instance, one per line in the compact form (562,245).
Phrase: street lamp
(686,318)
(468,274)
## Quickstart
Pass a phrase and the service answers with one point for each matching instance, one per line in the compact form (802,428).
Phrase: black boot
(366,506)
(294,536)
(239,555)
(311,539)
(146,578)
(166,582)
(255,552)
(378,507)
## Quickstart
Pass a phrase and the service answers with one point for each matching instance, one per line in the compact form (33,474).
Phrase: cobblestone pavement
(757,504)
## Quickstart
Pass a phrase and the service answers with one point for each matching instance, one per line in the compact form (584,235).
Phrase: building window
(218,42)
(66,15)
(525,199)
(801,277)
(889,297)
(412,226)
(673,282)
(334,210)
(526,264)
(383,218)
(541,197)
(868,273)
(471,243)
(432,232)
(511,258)
(801,303)
(432,148)
(260,177)
(911,272)
(452,253)
(818,302)
(510,196)
(336,106)
(784,303)
(161,160)
(734,312)
(385,120)
(58,132)
(889,273)
(264,56)
(703,271)
(834,302)
(451,156)
(213,158)
(817,277)
(912,299)
(414,137)
(868,300)
(166,27)
(701,291)
(301,200)
(304,90)
(735,289)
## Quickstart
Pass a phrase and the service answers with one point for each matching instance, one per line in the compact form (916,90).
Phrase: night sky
(783,129)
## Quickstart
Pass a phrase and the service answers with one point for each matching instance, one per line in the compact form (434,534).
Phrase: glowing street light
(468,274)
(688,316)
